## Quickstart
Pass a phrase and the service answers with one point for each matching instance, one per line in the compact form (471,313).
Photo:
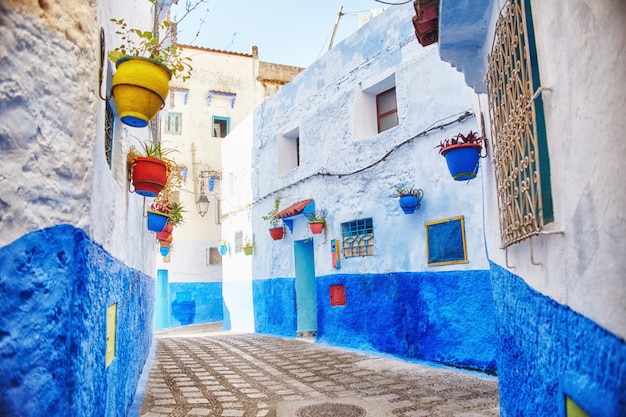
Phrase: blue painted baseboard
(547,351)
(55,287)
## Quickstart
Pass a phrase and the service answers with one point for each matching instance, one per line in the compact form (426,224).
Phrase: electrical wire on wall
(325,173)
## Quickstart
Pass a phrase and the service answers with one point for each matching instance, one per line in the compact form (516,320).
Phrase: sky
(289,32)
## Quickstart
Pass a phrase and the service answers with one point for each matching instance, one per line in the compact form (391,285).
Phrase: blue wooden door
(306,298)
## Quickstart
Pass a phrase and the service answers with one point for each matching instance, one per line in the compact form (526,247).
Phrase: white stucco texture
(355,177)
(582,264)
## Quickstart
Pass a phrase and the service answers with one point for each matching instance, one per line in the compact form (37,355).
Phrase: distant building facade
(223,88)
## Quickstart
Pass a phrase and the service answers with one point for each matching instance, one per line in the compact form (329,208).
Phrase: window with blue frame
(221,126)
(358,238)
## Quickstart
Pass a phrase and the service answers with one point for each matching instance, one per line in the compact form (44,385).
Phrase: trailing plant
(471,137)
(172,209)
(158,44)
(271,215)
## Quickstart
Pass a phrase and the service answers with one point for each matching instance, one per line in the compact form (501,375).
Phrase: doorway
(306,295)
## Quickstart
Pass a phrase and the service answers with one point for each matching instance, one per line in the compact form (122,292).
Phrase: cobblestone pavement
(250,375)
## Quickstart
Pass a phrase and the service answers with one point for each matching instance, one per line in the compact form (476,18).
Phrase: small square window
(445,242)
(221,126)
(173,124)
(358,238)
(387,110)
(214,257)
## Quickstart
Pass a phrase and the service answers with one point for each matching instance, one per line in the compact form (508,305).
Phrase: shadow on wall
(195,303)
(184,311)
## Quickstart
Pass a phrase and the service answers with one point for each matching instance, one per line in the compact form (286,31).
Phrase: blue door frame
(306,295)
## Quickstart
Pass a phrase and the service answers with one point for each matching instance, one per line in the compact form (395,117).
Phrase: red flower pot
(316,227)
(277,233)
(149,176)
(163,235)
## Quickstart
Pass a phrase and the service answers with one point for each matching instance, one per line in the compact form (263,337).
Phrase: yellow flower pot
(140,87)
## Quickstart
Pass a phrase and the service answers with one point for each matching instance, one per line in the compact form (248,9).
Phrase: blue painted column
(161,304)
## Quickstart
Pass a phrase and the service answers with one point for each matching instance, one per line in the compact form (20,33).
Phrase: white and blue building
(414,285)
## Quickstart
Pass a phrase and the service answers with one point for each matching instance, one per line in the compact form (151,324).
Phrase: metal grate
(514,127)
(108,134)
(358,238)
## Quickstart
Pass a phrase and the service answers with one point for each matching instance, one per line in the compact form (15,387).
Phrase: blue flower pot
(156,221)
(462,160)
(165,250)
(223,249)
(409,203)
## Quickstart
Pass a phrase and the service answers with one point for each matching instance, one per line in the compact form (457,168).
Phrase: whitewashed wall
(236,201)
(320,102)
(56,171)
(583,267)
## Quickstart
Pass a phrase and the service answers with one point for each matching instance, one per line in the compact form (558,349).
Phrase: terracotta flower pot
(316,227)
(277,233)
(149,176)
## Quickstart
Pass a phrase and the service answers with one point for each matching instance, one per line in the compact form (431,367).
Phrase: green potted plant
(462,153)
(151,169)
(277,231)
(145,62)
(410,198)
(317,221)
(248,246)
(163,212)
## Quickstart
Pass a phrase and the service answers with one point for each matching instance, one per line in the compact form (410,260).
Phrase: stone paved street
(249,375)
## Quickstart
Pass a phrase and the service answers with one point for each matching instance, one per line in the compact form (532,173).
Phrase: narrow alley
(249,375)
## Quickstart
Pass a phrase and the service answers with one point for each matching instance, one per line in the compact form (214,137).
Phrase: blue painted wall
(55,288)
(547,346)
(446,317)
(275,306)
(195,303)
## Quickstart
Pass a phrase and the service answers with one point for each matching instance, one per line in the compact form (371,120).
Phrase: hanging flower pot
(140,87)
(163,235)
(167,242)
(223,249)
(462,154)
(156,220)
(410,199)
(277,233)
(247,250)
(462,160)
(316,227)
(165,250)
(149,176)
